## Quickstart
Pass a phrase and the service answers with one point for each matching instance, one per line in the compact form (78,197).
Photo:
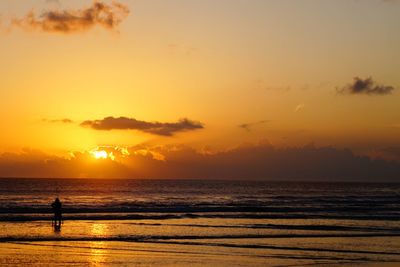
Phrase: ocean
(199,223)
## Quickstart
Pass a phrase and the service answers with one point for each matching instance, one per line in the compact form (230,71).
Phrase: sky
(116,88)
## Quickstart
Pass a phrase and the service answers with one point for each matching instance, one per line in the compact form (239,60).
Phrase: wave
(254,246)
(308,227)
(293,206)
(176,238)
(23,217)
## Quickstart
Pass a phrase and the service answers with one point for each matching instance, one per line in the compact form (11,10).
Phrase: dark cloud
(365,86)
(59,121)
(387,153)
(249,126)
(70,21)
(158,128)
(262,162)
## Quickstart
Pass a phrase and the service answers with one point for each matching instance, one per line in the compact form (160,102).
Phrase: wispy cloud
(365,86)
(176,49)
(67,121)
(249,126)
(157,128)
(53,1)
(299,107)
(70,21)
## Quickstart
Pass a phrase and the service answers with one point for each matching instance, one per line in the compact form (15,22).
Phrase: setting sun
(100,154)
(205,133)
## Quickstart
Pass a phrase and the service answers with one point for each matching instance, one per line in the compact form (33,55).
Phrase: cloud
(261,162)
(299,107)
(176,49)
(53,2)
(70,21)
(395,126)
(387,153)
(66,121)
(248,126)
(365,86)
(157,128)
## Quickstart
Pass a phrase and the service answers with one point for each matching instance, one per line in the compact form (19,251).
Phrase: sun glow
(100,154)
(109,152)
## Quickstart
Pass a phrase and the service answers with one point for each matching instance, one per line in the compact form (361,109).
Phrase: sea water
(204,223)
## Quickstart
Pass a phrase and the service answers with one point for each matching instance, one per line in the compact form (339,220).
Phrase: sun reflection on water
(98,249)
(98,229)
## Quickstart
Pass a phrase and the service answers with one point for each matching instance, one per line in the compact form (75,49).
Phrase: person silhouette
(56,205)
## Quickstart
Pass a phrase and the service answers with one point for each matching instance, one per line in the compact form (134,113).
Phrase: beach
(200,133)
(147,223)
(195,242)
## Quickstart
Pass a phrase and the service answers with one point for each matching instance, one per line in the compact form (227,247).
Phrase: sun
(110,153)
(100,154)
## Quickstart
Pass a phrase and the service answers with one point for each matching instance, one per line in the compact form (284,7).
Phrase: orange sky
(204,74)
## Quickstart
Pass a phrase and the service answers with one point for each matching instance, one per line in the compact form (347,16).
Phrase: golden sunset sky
(286,73)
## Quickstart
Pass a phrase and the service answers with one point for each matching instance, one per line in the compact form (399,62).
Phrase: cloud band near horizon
(253,162)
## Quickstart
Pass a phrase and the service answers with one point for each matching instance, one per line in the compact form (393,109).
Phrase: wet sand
(194,242)
(114,253)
